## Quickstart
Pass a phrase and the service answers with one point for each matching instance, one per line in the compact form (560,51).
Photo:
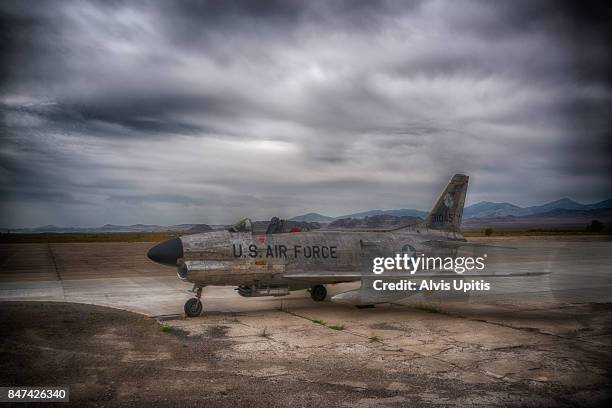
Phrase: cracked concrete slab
(521,347)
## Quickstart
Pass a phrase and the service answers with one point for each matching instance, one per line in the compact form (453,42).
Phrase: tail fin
(447,212)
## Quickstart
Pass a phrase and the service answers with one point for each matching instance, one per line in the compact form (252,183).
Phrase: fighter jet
(275,263)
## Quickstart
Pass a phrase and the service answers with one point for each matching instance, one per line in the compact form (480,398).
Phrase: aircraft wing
(325,276)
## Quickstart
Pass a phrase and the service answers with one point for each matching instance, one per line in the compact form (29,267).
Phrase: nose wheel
(193,307)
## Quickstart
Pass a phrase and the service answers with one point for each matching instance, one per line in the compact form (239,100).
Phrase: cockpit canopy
(274,226)
(244,225)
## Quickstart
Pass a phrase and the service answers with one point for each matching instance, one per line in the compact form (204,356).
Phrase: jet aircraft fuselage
(242,258)
(273,264)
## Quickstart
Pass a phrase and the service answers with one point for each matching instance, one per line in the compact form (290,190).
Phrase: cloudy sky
(193,111)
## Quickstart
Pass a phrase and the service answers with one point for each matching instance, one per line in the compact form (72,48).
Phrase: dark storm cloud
(49,197)
(154,198)
(207,111)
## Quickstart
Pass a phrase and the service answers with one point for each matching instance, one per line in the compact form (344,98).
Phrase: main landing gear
(193,307)
(318,293)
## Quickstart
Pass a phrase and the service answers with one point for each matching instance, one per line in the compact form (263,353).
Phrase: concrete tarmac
(541,341)
(119,275)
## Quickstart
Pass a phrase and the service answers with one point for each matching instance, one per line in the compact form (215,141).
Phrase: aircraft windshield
(243,225)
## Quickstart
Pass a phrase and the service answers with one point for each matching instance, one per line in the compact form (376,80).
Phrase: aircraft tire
(193,307)
(318,293)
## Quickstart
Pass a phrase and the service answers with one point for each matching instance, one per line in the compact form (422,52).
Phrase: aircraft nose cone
(167,252)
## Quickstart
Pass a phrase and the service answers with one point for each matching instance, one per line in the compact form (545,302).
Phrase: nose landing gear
(193,307)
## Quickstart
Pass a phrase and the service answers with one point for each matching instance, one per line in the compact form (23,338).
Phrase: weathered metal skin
(241,258)
(271,263)
(228,258)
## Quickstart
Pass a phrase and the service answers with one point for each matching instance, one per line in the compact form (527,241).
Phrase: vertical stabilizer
(446,214)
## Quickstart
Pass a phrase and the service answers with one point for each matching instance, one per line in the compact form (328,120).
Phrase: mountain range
(563,213)
(483,209)
(487,209)
(110,228)
(316,217)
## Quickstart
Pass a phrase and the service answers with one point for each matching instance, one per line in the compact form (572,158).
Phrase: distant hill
(313,217)
(398,213)
(374,222)
(487,209)
(113,229)
(557,219)
(562,204)
(600,204)
(197,228)
(563,213)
